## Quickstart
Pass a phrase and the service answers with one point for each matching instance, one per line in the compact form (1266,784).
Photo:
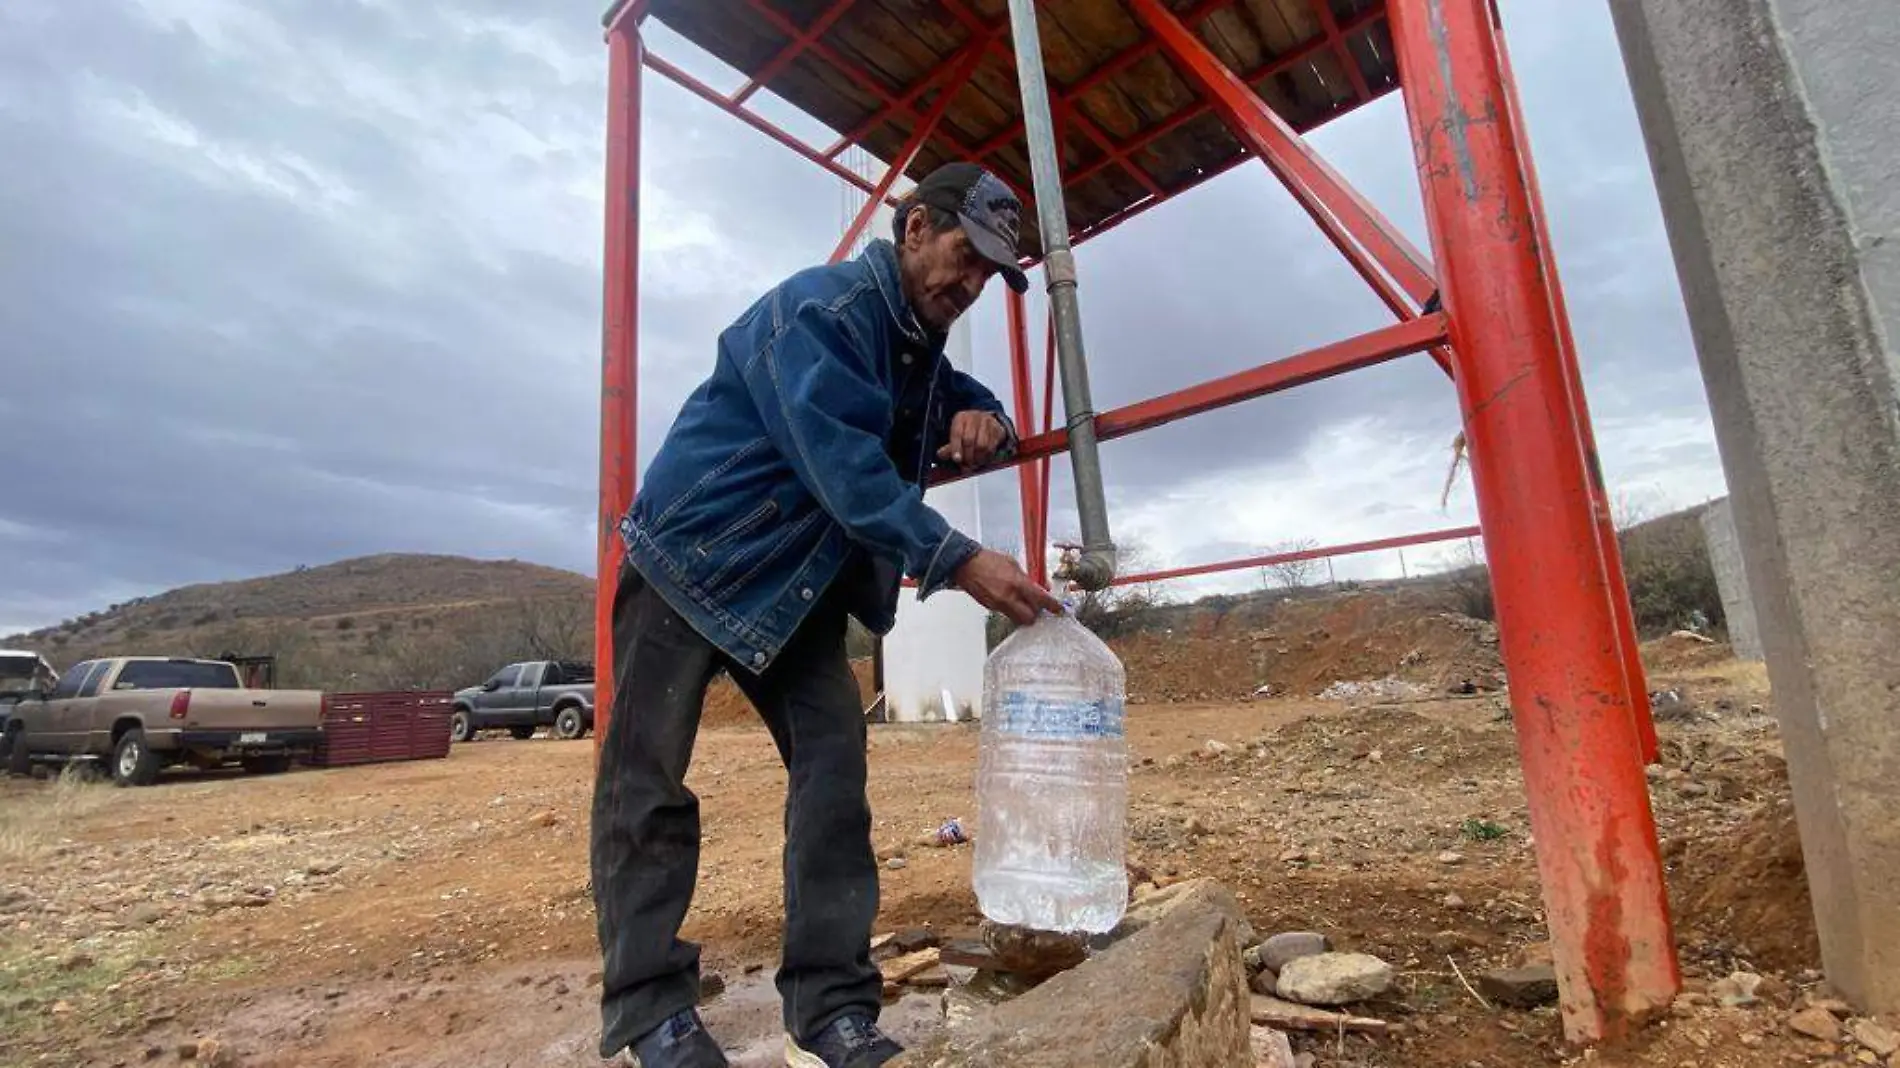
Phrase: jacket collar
(881,256)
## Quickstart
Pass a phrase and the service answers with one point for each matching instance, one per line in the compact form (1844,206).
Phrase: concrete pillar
(1731,578)
(1773,128)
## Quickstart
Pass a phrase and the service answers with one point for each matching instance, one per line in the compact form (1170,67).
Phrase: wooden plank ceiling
(1116,93)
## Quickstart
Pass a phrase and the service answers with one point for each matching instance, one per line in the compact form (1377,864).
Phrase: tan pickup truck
(140,715)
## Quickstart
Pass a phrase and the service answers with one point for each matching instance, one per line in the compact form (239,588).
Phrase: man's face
(943,274)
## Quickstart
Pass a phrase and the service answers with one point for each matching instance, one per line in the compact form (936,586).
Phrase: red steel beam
(1360,232)
(722,102)
(1348,549)
(1337,40)
(1024,404)
(619,346)
(1614,579)
(800,42)
(1365,350)
(1597,855)
(928,125)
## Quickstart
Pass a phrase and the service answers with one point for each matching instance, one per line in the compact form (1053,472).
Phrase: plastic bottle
(1052,781)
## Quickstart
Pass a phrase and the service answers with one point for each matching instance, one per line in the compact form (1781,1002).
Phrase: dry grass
(30,824)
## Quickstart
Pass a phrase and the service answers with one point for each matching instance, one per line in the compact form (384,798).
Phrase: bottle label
(1033,716)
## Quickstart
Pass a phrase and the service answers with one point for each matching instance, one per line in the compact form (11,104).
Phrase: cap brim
(997,251)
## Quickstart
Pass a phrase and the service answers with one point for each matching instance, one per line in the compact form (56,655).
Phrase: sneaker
(847,1042)
(680,1042)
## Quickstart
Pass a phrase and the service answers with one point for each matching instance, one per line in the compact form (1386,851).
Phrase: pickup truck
(522,697)
(21,673)
(141,714)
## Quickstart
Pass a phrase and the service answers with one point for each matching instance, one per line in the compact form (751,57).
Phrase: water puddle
(747,1020)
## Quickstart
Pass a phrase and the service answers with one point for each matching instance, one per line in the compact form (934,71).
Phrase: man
(788,495)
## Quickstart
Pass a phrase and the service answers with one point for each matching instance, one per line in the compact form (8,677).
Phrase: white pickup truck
(142,714)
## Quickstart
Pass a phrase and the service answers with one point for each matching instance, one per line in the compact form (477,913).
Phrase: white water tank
(933,659)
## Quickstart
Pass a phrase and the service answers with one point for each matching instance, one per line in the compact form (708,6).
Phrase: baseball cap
(991,214)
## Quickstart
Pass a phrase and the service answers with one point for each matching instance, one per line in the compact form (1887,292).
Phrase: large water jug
(1052,781)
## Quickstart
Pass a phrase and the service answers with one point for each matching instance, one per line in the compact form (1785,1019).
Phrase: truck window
(176,674)
(69,682)
(505,678)
(89,686)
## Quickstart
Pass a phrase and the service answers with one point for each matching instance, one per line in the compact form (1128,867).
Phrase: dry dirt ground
(438,914)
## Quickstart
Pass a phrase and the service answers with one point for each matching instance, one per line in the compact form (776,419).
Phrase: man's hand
(1000,586)
(974,439)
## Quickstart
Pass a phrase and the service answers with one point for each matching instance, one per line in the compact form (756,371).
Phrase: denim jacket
(806,451)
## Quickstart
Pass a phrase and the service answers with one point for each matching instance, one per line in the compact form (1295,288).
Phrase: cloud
(286,283)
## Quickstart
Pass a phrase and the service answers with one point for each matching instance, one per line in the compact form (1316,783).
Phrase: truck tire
(521,734)
(19,761)
(133,762)
(274,764)
(568,724)
(461,726)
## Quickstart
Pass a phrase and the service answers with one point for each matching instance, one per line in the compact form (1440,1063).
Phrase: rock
(1263,983)
(711,985)
(1817,1023)
(899,969)
(1833,1005)
(1533,953)
(1293,856)
(76,962)
(61,1008)
(1194,828)
(896,864)
(1334,979)
(1270,1048)
(914,939)
(1033,954)
(1453,901)
(323,868)
(1520,988)
(545,818)
(1451,857)
(1882,1041)
(1737,990)
(144,914)
(188,1051)
(1288,946)
(1215,748)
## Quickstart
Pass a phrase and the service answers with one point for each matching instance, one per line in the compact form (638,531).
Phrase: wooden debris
(902,968)
(1274,1012)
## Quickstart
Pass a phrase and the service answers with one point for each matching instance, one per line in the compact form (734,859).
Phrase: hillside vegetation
(395,621)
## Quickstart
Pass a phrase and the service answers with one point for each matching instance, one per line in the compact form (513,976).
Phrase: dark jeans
(646,822)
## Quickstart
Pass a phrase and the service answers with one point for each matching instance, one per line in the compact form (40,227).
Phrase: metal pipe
(620,340)
(1094,568)
(1324,552)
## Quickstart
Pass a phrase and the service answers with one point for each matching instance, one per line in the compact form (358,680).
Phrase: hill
(389,621)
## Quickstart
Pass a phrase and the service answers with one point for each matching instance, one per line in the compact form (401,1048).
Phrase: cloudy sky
(287,281)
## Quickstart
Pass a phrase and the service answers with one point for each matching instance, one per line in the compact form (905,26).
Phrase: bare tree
(1292,574)
(555,628)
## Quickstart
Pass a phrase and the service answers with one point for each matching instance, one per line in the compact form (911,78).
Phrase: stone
(76,962)
(1215,747)
(1293,856)
(144,914)
(1520,988)
(1450,856)
(1882,1041)
(1453,901)
(61,1008)
(1171,994)
(1194,828)
(912,939)
(1263,983)
(545,818)
(1034,954)
(1816,1023)
(711,985)
(899,969)
(1288,946)
(1533,953)
(1334,979)
(896,864)
(1271,1048)
(1737,990)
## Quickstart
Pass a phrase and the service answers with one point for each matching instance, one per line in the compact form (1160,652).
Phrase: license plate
(252,738)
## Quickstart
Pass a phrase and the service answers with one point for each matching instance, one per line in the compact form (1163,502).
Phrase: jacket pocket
(745,524)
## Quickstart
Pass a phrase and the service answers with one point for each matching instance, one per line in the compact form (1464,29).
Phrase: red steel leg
(1583,776)
(619,351)
(1629,644)
(1025,414)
